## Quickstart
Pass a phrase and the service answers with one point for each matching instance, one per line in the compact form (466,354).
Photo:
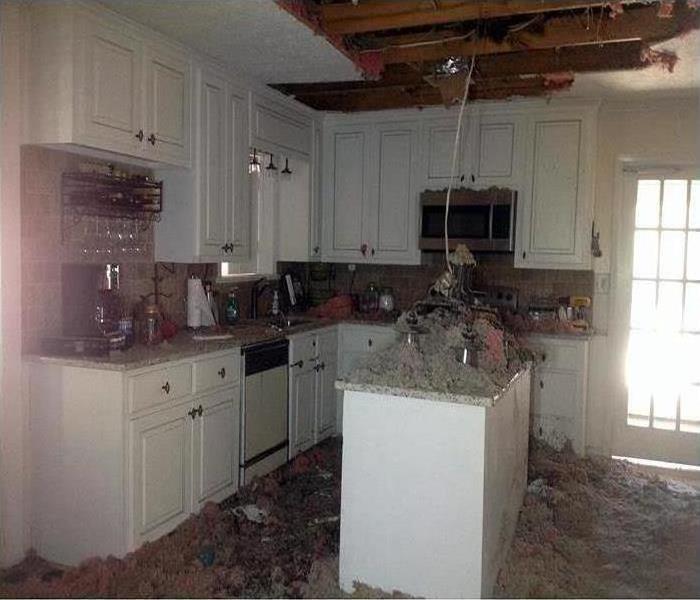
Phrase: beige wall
(655,133)
(13,531)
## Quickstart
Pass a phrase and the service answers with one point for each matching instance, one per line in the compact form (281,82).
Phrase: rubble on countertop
(436,334)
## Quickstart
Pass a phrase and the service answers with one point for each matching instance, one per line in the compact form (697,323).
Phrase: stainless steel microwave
(484,220)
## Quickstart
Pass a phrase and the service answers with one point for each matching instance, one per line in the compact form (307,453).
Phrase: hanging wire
(455,152)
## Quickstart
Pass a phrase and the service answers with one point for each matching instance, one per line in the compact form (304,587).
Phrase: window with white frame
(663,361)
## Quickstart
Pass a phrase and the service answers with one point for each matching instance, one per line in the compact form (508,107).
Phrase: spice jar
(152,320)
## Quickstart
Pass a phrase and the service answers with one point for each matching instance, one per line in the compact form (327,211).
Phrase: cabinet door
(497,151)
(555,221)
(438,139)
(160,470)
(558,408)
(326,399)
(238,203)
(295,211)
(109,112)
(302,393)
(168,107)
(346,185)
(393,215)
(216,446)
(212,166)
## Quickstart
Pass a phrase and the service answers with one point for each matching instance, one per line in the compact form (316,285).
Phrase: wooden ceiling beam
(633,24)
(377,15)
(424,95)
(580,59)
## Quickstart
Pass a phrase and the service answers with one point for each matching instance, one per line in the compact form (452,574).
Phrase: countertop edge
(431,395)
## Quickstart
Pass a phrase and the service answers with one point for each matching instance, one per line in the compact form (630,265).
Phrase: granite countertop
(432,395)
(246,333)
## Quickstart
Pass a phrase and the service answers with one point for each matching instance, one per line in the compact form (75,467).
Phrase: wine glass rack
(136,198)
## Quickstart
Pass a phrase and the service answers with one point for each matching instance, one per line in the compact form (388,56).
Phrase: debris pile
(587,528)
(448,347)
(602,528)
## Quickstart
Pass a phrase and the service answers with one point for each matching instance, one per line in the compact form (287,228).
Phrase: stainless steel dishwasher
(265,407)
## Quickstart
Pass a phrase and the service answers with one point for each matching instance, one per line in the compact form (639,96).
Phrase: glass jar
(152,321)
(386,299)
(371,298)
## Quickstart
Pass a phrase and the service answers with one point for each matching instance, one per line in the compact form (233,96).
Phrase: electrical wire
(455,152)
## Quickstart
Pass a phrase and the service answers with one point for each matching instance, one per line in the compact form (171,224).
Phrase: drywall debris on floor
(587,528)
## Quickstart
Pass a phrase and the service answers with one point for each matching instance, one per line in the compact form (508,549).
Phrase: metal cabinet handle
(166,387)
(299,363)
(369,342)
(200,410)
(222,372)
(192,413)
(152,138)
(541,384)
(226,247)
(372,251)
(524,254)
(323,366)
(139,135)
(316,249)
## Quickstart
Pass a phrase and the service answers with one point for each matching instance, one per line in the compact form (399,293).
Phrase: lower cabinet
(120,458)
(312,395)
(559,392)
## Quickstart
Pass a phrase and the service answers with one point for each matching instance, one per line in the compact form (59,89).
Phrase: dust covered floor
(587,528)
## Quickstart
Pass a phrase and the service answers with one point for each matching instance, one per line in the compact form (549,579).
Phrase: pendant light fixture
(286,170)
(271,165)
(254,164)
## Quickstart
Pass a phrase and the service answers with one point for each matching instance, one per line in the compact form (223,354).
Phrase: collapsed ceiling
(417,53)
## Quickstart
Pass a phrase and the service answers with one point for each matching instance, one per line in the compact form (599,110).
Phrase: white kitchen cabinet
(437,141)
(207,215)
(215,458)
(121,457)
(277,129)
(161,446)
(497,156)
(295,216)
(555,206)
(313,360)
(370,193)
(559,391)
(355,343)
(96,81)
(303,400)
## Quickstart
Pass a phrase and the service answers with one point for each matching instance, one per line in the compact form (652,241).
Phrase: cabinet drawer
(216,372)
(328,344)
(162,385)
(302,347)
(367,339)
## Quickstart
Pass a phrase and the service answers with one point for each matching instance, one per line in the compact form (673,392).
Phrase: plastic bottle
(275,303)
(233,313)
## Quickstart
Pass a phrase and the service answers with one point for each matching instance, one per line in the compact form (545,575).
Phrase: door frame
(626,440)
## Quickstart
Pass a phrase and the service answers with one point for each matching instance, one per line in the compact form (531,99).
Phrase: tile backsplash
(410,283)
(89,240)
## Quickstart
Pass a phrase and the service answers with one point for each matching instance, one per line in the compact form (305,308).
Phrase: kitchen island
(432,483)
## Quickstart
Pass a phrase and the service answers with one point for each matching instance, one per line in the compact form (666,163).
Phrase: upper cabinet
(277,129)
(97,83)
(556,203)
(207,216)
(370,193)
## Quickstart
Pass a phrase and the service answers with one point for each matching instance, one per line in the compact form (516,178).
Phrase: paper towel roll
(198,310)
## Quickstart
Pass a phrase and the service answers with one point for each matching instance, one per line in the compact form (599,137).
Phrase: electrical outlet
(602,283)
(352,267)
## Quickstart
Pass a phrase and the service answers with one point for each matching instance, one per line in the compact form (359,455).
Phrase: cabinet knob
(192,413)
(222,372)
(323,366)
(200,410)
(299,363)
(152,138)
(166,387)
(139,135)
(369,342)
(372,251)
(524,254)
(364,249)
(541,384)
(316,249)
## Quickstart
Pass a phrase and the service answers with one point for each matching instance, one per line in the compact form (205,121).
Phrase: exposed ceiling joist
(377,15)
(571,30)
(582,59)
(424,95)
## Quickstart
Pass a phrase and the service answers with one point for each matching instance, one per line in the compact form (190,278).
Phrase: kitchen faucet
(255,292)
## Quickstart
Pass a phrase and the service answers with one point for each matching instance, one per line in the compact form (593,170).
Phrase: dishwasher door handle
(299,363)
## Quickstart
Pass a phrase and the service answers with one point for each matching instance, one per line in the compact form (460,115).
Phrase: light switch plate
(602,283)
